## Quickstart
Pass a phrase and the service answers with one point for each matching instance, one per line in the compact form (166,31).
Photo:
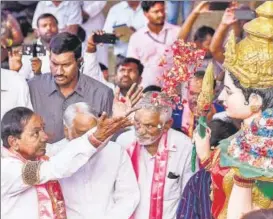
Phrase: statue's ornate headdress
(205,98)
(251,60)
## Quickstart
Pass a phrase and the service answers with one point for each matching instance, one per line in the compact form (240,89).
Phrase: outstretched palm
(229,17)
(122,106)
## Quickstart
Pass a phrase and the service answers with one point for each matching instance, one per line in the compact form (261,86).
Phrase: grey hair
(163,107)
(72,110)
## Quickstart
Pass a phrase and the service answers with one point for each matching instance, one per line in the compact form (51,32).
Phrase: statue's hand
(202,144)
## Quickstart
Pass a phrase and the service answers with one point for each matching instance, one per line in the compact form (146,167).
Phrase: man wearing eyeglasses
(161,157)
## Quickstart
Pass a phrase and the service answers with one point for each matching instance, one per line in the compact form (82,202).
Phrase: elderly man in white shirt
(106,186)
(14,91)
(149,43)
(68,14)
(161,158)
(28,179)
(129,13)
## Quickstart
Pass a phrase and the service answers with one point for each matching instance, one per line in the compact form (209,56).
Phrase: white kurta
(121,13)
(67,13)
(19,200)
(179,163)
(104,188)
(14,91)
(95,22)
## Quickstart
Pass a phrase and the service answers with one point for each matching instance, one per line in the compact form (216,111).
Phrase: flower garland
(255,144)
(180,61)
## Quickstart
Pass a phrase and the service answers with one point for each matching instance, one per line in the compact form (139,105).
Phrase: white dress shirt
(104,188)
(67,13)
(179,163)
(122,13)
(95,22)
(150,50)
(14,91)
(19,200)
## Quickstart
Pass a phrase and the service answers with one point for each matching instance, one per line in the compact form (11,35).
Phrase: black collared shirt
(49,102)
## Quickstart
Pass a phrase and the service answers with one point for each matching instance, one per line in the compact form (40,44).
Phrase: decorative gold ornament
(31,172)
(254,108)
(16,148)
(251,60)
(205,98)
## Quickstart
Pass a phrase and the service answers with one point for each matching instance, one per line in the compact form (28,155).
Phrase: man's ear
(146,14)
(116,79)
(80,62)
(12,141)
(255,101)
(168,125)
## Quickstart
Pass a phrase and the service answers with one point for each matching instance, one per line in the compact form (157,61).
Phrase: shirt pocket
(172,189)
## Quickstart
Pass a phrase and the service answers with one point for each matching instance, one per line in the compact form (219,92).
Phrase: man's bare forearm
(187,26)
(216,46)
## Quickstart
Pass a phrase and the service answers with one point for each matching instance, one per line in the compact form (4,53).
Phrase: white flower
(237,152)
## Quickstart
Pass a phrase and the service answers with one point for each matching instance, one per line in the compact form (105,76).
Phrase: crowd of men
(100,137)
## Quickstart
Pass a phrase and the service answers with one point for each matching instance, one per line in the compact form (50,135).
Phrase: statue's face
(234,101)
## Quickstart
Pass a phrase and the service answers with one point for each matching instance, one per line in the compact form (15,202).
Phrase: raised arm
(93,8)
(18,176)
(91,64)
(216,46)
(74,19)
(189,22)
(203,147)
(16,33)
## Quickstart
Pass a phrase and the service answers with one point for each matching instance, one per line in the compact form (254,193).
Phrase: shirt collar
(79,89)
(171,146)
(166,26)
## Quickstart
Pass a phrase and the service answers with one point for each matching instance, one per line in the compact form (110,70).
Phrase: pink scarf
(50,198)
(160,170)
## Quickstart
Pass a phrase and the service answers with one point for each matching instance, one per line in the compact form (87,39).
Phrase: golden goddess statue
(242,166)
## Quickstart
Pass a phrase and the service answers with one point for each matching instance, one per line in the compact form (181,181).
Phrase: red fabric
(160,170)
(219,197)
(49,194)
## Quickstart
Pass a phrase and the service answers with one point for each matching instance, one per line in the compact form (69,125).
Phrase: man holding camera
(47,28)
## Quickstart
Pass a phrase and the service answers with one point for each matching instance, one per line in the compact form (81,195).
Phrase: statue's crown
(251,60)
